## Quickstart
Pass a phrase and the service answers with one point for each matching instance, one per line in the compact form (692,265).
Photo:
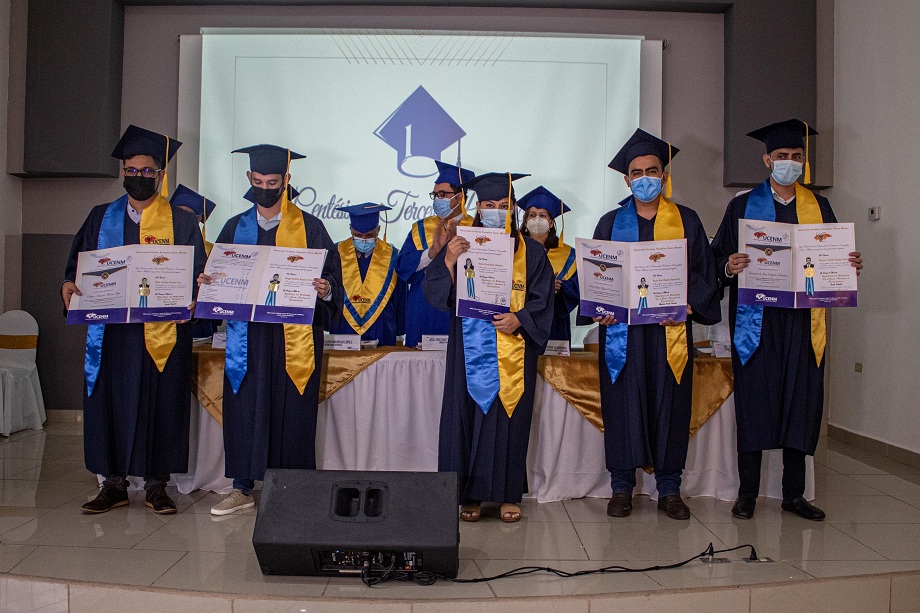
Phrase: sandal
(470,512)
(509,512)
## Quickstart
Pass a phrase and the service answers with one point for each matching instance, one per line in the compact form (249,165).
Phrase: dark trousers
(793,473)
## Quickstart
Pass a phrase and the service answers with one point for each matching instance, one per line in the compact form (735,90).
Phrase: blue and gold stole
(749,318)
(299,362)
(366,299)
(494,360)
(563,260)
(423,230)
(668,226)
(156,228)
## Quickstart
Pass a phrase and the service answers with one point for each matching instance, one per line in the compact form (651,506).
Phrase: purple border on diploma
(139,315)
(597,309)
(479,310)
(656,315)
(283,315)
(97,316)
(224,310)
(846,298)
(766,297)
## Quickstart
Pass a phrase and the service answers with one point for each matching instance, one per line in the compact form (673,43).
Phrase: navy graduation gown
(137,420)
(646,413)
(268,423)
(489,451)
(564,302)
(421,317)
(779,393)
(391,322)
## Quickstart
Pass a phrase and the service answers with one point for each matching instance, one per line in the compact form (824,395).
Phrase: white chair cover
(21,402)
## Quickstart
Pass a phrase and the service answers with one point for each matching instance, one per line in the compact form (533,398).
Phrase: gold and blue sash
(563,260)
(156,228)
(423,230)
(366,299)
(299,360)
(494,360)
(749,318)
(668,226)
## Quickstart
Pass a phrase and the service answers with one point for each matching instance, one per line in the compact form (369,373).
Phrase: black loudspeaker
(339,522)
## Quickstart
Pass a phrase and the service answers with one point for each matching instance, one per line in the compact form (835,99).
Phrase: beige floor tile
(9,467)
(893,485)
(200,532)
(700,574)
(11,555)
(867,510)
(667,539)
(535,511)
(494,540)
(120,528)
(43,494)
(590,510)
(894,541)
(844,568)
(913,501)
(905,593)
(352,587)
(314,606)
(846,485)
(866,595)
(94,599)
(234,573)
(32,596)
(546,584)
(30,450)
(502,605)
(794,541)
(59,470)
(117,566)
(851,466)
(12,517)
(716,601)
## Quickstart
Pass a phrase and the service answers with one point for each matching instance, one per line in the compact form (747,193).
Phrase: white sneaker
(234,501)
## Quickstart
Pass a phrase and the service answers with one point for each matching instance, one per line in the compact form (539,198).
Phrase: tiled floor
(873,526)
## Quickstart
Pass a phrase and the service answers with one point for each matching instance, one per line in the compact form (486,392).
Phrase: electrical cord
(375,574)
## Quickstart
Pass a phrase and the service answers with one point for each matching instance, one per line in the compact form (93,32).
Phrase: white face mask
(493,218)
(786,172)
(538,226)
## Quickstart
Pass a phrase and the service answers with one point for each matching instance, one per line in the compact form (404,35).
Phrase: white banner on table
(133,283)
(484,273)
(261,283)
(797,265)
(638,283)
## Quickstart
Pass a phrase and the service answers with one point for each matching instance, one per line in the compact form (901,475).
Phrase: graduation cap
(269,159)
(454,175)
(138,141)
(494,185)
(642,143)
(419,130)
(291,193)
(364,217)
(183,196)
(542,198)
(789,134)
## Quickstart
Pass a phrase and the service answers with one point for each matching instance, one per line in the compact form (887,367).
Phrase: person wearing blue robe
(267,421)
(424,241)
(366,245)
(542,207)
(779,388)
(477,439)
(646,412)
(135,417)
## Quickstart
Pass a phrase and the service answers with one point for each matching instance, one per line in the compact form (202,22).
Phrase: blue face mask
(645,188)
(493,218)
(364,245)
(442,207)
(786,172)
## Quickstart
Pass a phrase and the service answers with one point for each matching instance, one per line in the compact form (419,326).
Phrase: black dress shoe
(744,507)
(674,507)
(803,508)
(108,498)
(159,501)
(620,505)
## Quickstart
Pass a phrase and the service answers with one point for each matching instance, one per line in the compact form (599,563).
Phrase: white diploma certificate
(797,265)
(484,273)
(638,283)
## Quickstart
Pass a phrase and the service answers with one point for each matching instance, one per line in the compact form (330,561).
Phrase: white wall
(10,187)
(877,129)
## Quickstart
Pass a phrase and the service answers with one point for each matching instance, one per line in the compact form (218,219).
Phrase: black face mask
(266,197)
(140,188)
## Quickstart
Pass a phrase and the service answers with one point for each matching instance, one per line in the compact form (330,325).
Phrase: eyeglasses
(434,195)
(147,173)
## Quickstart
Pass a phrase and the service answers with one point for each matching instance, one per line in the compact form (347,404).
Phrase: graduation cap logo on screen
(420,130)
